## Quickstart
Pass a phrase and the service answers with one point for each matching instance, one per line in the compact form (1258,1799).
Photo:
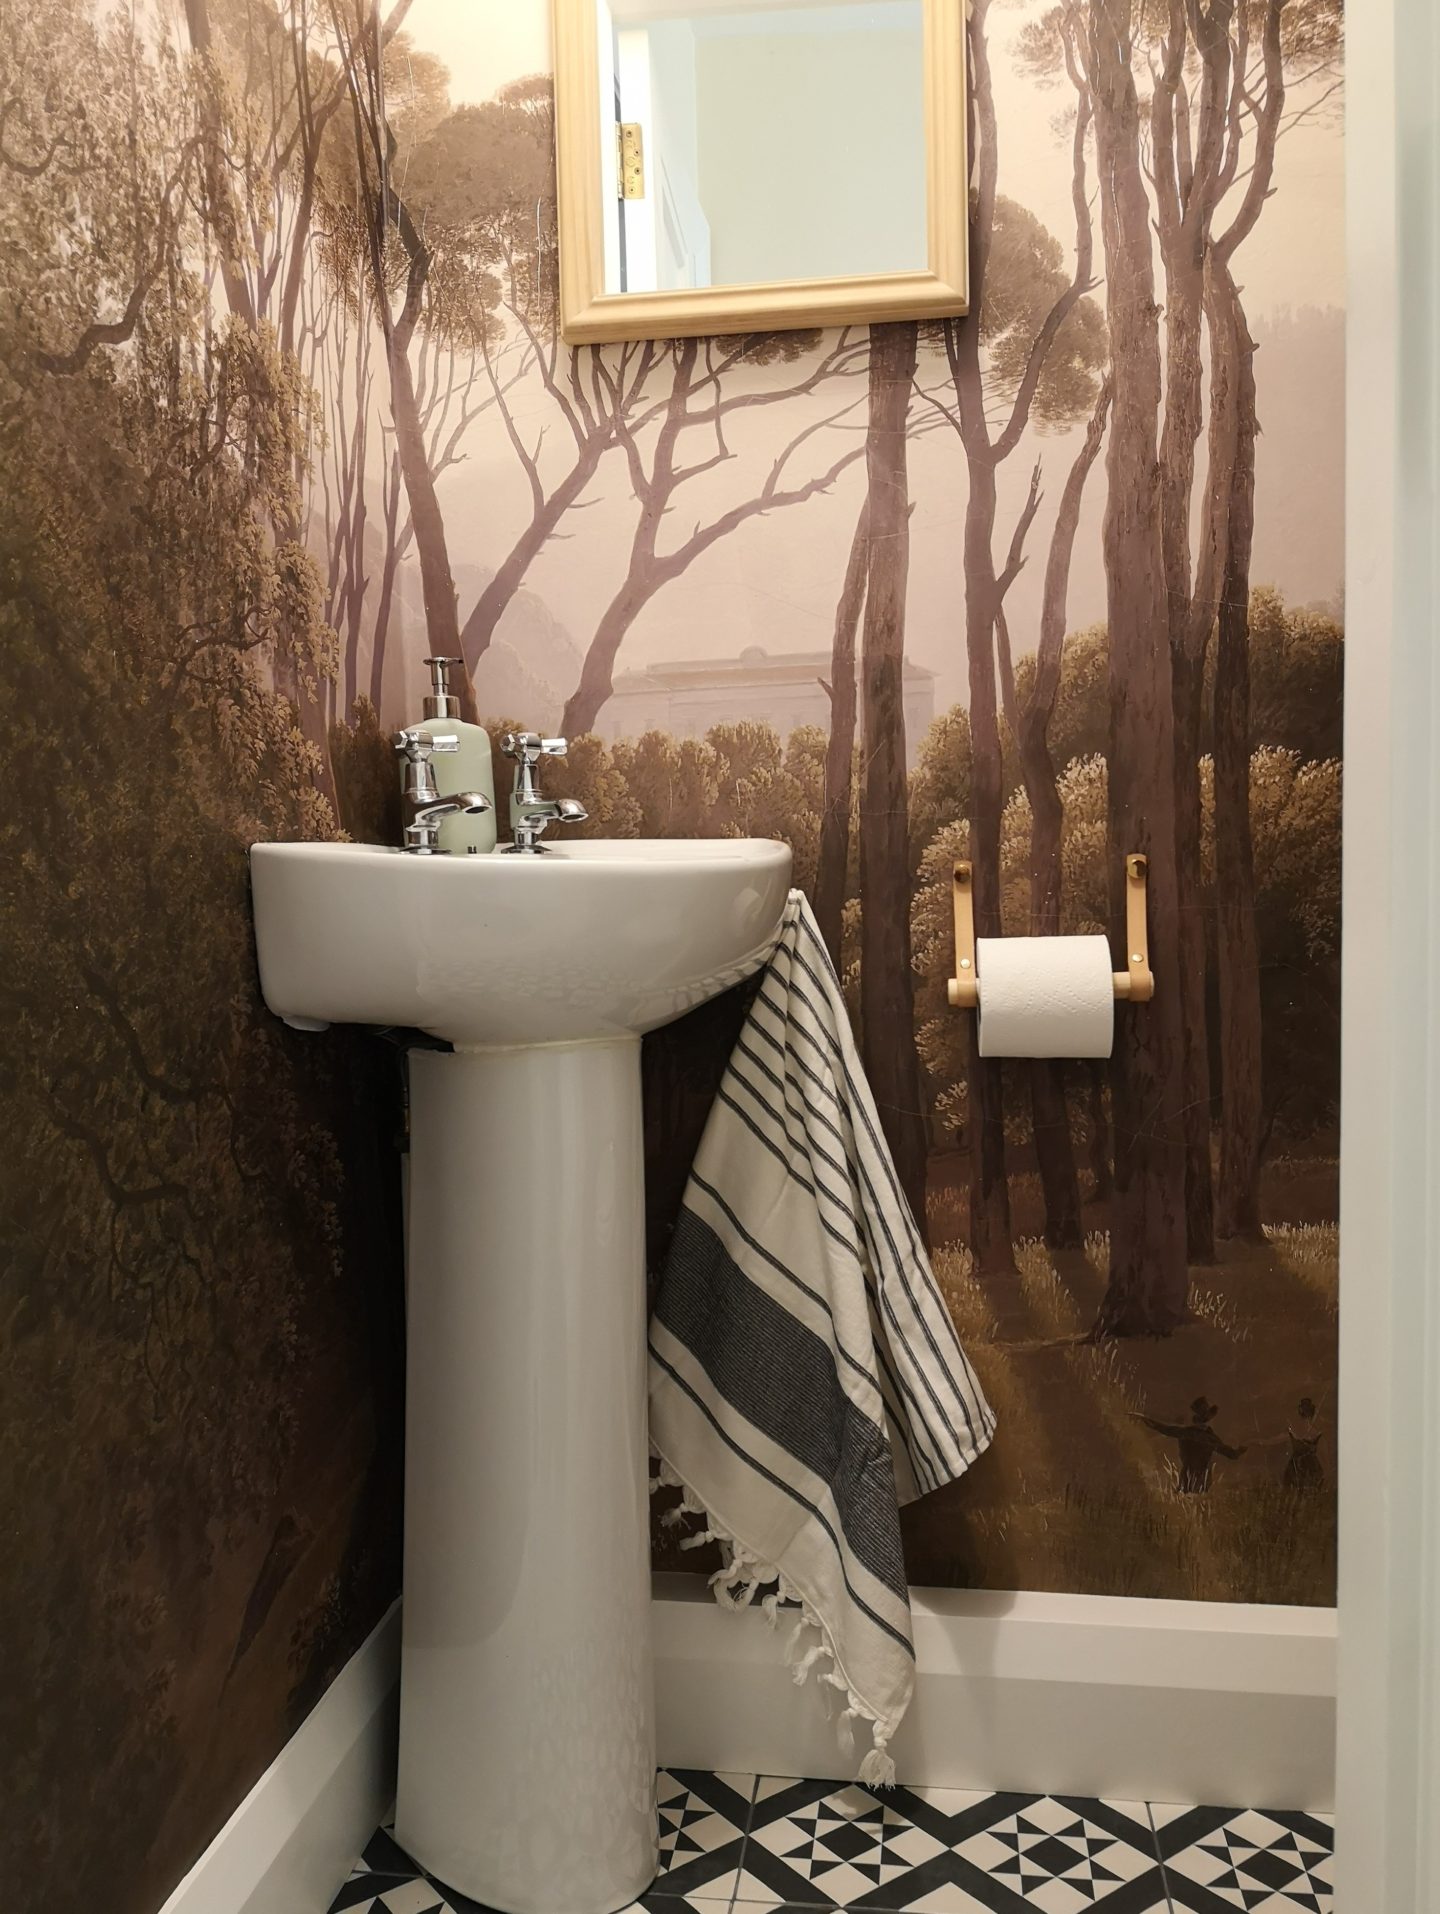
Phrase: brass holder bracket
(1135,984)
(1137,981)
(963,988)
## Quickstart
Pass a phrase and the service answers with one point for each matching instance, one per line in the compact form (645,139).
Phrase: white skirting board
(1060,1694)
(296,1835)
(1207,1702)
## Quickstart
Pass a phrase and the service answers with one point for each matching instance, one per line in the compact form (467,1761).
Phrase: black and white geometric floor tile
(702,1820)
(946,1852)
(732,1844)
(1217,1860)
(1065,1856)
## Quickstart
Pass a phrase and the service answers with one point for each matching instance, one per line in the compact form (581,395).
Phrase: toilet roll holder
(1135,984)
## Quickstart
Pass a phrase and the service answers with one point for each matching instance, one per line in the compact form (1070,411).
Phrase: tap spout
(423,816)
(469,802)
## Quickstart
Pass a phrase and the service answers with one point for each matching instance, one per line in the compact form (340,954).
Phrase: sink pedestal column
(527,1760)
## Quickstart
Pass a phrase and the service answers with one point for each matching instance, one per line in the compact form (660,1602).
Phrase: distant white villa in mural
(786,689)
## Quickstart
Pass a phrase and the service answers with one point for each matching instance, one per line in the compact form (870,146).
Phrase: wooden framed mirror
(732,166)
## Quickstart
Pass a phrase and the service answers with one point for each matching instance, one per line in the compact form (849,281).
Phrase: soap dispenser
(468,769)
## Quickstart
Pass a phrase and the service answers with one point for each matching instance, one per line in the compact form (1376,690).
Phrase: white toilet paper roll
(1045,996)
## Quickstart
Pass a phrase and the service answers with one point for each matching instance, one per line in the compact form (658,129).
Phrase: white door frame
(1389,1707)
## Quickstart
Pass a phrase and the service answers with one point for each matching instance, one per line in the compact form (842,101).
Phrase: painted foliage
(285,410)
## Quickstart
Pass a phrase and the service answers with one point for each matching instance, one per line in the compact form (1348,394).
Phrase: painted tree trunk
(1189,689)
(350,601)
(494,600)
(833,860)
(582,708)
(437,583)
(1148,1289)
(887,1005)
(1101,1179)
(1055,1155)
(990,1240)
(1191,617)
(388,569)
(1049,1116)
(1242,1123)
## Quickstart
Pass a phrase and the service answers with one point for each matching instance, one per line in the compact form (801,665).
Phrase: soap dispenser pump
(471,768)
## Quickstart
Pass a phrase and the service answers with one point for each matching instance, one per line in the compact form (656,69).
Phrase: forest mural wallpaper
(284,410)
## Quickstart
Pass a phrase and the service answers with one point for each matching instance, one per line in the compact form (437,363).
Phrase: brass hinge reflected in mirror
(630,159)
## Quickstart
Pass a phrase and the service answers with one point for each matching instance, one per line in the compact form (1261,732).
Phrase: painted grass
(1077,1493)
(1310,1251)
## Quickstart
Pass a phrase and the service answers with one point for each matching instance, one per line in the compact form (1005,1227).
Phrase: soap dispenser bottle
(471,768)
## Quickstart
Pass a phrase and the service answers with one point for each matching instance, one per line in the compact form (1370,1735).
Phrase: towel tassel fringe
(737,1585)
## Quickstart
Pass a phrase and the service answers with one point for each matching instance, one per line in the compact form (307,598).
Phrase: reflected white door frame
(632,75)
(1388,1856)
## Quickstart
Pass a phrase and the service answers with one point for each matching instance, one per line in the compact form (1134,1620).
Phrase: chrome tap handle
(528,747)
(417,743)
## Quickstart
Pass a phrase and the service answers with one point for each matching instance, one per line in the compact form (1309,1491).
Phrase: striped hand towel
(805,1378)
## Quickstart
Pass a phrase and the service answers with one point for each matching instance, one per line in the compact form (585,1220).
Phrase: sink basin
(594,939)
(527,1746)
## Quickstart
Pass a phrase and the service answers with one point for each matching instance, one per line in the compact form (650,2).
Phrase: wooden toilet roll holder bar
(1136,983)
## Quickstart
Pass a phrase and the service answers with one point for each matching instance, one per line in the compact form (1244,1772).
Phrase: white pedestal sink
(527,1761)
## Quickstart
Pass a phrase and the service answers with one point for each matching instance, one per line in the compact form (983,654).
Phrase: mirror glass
(761,142)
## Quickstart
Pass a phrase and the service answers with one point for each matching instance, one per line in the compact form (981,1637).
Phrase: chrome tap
(421,805)
(530,814)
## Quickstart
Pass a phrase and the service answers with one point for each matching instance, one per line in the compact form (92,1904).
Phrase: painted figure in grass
(1198,1445)
(1303,1467)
